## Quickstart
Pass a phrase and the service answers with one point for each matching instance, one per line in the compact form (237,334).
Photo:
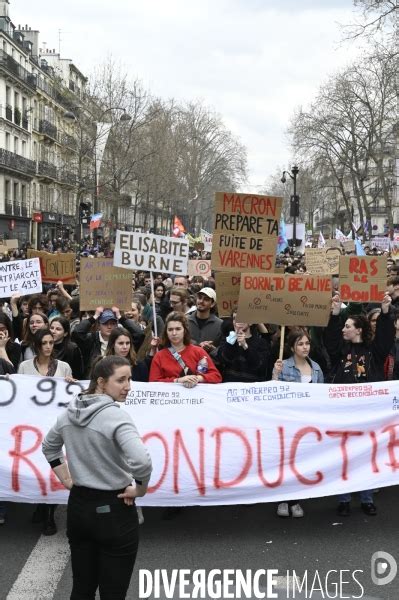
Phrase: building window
(7,190)
(16,192)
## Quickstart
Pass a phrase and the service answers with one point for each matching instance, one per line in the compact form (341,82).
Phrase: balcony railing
(16,209)
(15,162)
(47,170)
(66,177)
(69,141)
(48,129)
(8,63)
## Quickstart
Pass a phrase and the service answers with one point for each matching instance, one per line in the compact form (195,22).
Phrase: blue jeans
(366,496)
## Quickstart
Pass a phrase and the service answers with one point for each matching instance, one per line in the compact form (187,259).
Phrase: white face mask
(231,338)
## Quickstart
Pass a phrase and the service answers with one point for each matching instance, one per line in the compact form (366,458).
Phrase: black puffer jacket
(346,358)
(90,344)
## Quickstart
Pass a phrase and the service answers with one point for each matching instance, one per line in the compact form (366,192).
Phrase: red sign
(37,217)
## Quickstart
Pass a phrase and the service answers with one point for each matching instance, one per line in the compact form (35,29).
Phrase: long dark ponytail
(105,368)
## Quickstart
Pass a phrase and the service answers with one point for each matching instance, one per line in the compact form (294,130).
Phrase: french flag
(95,220)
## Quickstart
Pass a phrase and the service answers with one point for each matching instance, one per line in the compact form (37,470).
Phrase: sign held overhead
(149,252)
(245,232)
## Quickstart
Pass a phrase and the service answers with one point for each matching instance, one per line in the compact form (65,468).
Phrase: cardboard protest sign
(245,232)
(316,261)
(332,257)
(148,252)
(284,299)
(333,243)
(227,292)
(20,276)
(102,284)
(12,244)
(349,246)
(362,278)
(199,267)
(55,267)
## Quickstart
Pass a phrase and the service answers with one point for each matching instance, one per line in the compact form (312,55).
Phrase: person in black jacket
(64,349)
(244,353)
(358,357)
(10,351)
(94,343)
(120,344)
(6,368)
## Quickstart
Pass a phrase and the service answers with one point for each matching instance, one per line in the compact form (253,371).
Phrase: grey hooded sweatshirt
(103,447)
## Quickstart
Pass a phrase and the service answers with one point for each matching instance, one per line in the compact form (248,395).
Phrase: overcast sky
(251,61)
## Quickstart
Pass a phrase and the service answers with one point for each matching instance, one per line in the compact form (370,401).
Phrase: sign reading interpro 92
(148,252)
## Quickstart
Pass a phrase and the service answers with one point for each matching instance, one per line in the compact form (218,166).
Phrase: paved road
(241,537)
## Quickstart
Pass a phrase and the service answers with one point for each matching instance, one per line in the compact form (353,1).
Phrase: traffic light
(85,212)
(294,206)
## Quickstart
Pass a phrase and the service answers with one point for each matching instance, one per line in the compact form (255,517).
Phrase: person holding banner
(35,321)
(105,453)
(10,351)
(358,357)
(299,368)
(244,354)
(64,349)
(180,361)
(45,365)
(120,344)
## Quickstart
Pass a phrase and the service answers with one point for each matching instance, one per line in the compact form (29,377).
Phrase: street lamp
(98,149)
(294,201)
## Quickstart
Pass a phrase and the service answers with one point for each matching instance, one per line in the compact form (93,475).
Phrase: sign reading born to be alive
(284,299)
(20,276)
(102,284)
(362,278)
(245,232)
(149,252)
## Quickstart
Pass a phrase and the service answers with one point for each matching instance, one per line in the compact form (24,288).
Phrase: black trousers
(103,536)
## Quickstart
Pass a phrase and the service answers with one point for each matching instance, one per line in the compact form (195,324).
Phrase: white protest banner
(383,243)
(20,276)
(149,252)
(220,444)
(206,239)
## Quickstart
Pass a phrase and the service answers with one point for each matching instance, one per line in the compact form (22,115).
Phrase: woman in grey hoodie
(105,453)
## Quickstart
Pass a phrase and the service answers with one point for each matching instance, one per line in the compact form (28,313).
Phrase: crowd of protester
(47,334)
